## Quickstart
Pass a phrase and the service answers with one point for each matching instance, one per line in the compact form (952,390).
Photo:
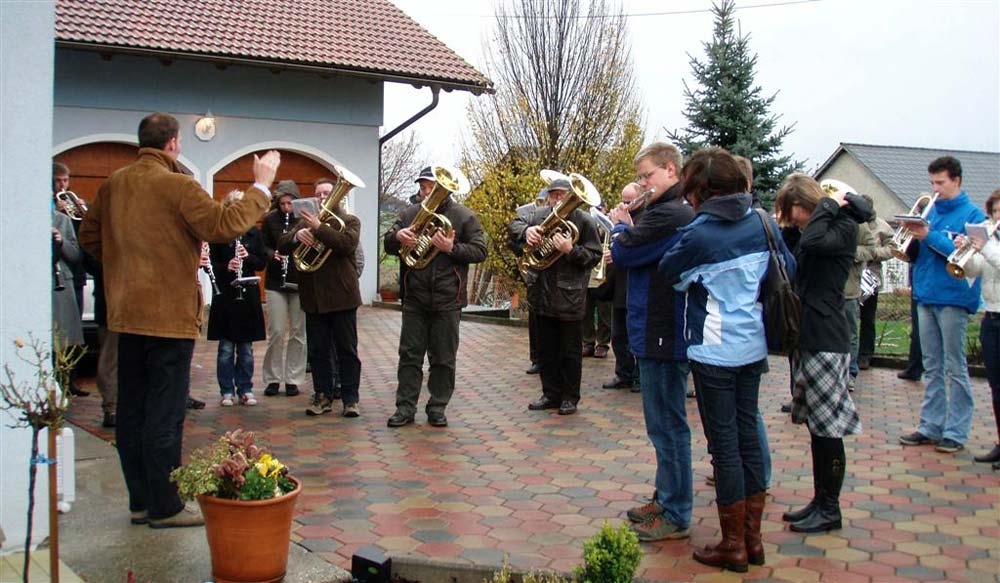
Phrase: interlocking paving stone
(501,480)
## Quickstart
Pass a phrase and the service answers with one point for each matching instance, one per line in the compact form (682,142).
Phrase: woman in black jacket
(236,319)
(820,365)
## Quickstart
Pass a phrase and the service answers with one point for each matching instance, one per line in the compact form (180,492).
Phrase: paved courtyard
(501,480)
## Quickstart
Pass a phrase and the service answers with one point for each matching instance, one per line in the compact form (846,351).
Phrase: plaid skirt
(819,394)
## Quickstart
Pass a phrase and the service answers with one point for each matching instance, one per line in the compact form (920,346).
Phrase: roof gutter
(448,85)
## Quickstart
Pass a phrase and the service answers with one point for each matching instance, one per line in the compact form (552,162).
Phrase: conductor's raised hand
(266,167)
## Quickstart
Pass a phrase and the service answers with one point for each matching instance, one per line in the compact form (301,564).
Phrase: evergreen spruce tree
(728,110)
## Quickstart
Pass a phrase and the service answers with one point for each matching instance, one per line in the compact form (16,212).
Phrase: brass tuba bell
(541,256)
(428,221)
(309,258)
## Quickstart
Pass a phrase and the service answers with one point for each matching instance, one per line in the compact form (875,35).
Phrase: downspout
(435,96)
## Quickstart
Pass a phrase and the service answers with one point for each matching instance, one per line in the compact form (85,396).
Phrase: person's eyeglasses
(645,175)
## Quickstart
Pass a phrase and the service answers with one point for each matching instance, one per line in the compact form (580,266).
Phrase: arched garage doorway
(238,174)
(91,164)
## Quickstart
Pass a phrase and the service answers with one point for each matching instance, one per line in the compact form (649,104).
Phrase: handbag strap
(771,243)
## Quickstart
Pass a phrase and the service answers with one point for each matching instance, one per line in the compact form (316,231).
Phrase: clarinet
(209,271)
(285,285)
(239,268)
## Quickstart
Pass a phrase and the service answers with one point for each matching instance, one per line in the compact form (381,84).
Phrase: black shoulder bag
(782,308)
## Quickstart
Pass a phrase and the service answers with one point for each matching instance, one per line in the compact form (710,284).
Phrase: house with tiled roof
(304,76)
(896,175)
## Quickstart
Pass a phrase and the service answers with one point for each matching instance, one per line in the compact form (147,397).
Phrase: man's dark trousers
(626,368)
(332,341)
(559,348)
(154,375)
(434,333)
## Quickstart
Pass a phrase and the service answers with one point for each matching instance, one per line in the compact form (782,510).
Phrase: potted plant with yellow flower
(248,500)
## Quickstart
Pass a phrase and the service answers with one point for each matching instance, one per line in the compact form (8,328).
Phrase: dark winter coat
(655,308)
(824,258)
(276,224)
(441,286)
(561,290)
(334,286)
(231,318)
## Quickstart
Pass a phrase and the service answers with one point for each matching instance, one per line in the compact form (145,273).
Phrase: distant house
(305,78)
(896,175)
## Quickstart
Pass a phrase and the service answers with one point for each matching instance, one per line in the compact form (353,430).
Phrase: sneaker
(601,352)
(852,383)
(320,404)
(917,438)
(248,399)
(659,528)
(138,517)
(645,513)
(535,368)
(291,390)
(587,350)
(949,446)
(352,410)
(227,400)
(188,516)
(271,390)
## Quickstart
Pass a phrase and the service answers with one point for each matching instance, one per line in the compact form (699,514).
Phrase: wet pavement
(503,481)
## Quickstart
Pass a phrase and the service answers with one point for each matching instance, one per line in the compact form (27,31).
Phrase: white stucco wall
(26,55)
(847,169)
(329,120)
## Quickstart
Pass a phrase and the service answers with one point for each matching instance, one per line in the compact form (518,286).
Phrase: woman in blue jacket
(719,262)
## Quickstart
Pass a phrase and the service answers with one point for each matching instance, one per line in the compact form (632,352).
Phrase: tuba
(76,208)
(540,257)
(427,222)
(902,238)
(309,258)
(961,255)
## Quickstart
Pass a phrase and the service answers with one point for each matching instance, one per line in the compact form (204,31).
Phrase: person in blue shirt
(944,305)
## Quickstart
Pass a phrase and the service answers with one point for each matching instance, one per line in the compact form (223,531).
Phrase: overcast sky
(922,73)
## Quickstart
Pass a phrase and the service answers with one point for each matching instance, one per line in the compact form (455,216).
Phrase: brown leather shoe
(588,350)
(754,544)
(731,553)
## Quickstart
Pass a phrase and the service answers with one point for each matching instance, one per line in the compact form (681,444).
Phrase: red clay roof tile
(364,35)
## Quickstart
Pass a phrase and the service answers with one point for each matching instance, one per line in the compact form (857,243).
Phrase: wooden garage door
(91,164)
(238,174)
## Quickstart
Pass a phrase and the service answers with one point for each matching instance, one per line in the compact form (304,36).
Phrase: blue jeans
(727,402)
(664,389)
(989,339)
(851,309)
(234,367)
(765,448)
(945,414)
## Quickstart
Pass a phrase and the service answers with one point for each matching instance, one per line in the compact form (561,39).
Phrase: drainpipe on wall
(435,95)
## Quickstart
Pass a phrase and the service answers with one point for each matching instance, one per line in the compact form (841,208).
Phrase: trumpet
(961,255)
(541,256)
(599,273)
(76,208)
(902,238)
(309,258)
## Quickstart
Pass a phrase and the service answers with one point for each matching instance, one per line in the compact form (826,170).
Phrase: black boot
(797,515)
(827,514)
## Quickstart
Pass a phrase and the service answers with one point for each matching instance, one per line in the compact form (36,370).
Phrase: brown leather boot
(755,509)
(731,553)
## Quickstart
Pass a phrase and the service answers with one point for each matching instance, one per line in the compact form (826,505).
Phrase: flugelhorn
(902,238)
(76,208)
(309,258)
(961,255)
(541,256)
(428,221)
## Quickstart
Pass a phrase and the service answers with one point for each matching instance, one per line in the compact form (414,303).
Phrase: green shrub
(610,556)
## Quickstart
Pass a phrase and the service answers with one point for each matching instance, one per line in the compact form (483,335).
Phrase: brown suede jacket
(146,226)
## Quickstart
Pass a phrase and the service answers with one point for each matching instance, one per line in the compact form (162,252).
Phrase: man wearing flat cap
(558,296)
(524,211)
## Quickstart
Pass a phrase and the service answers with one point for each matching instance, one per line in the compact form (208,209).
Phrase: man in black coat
(435,296)
(558,296)
(626,368)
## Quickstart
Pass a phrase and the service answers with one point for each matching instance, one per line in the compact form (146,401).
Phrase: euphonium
(428,222)
(541,256)
(902,238)
(961,255)
(76,208)
(309,258)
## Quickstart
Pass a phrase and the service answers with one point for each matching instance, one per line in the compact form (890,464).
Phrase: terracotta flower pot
(248,540)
